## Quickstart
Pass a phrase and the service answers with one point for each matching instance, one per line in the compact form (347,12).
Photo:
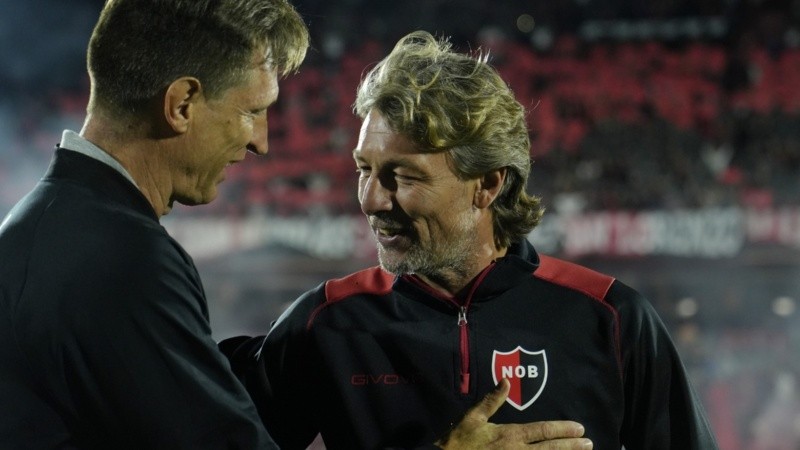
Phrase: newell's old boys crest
(527,372)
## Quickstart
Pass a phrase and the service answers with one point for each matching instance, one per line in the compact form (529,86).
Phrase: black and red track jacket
(372,360)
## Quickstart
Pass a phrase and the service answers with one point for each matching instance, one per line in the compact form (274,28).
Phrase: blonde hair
(457,103)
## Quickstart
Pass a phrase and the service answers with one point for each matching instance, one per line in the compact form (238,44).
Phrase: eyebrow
(356,155)
(400,161)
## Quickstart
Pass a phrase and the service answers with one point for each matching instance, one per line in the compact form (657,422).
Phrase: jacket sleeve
(140,365)
(662,410)
(278,372)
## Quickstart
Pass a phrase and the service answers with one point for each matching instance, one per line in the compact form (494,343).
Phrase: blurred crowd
(640,124)
(706,115)
(628,125)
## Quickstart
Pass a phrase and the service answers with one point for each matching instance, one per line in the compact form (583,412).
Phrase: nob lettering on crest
(531,371)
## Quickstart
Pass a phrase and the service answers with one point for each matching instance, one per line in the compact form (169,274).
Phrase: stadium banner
(696,233)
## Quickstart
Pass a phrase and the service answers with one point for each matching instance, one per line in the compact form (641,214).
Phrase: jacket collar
(509,271)
(101,178)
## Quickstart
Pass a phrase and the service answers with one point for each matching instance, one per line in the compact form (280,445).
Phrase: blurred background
(666,140)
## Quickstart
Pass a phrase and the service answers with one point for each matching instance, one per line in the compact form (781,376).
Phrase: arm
(141,363)
(276,372)
(476,432)
(662,409)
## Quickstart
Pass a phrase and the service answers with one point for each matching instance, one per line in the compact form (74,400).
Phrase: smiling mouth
(391,234)
(387,232)
(385,229)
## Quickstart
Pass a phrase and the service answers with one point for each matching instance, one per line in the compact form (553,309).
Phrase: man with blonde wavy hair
(107,342)
(394,356)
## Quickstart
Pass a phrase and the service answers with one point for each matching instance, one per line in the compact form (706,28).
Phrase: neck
(136,153)
(454,282)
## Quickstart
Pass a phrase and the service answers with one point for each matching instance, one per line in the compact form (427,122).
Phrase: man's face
(421,213)
(223,131)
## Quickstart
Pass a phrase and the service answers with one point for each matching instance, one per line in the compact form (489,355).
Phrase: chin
(392,263)
(199,200)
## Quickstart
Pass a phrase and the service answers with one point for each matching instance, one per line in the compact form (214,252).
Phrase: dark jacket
(104,325)
(374,361)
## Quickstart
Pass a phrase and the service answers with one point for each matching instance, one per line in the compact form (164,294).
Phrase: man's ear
(489,187)
(180,100)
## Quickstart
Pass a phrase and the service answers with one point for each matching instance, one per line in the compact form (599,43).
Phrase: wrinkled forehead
(376,135)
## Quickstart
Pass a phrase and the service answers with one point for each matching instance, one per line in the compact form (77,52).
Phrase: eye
(257,112)
(404,176)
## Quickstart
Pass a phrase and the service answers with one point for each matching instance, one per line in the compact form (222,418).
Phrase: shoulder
(574,277)
(633,311)
(596,285)
(374,281)
(303,312)
(105,246)
(78,217)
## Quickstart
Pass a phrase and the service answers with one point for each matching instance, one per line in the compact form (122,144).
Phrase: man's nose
(258,143)
(374,196)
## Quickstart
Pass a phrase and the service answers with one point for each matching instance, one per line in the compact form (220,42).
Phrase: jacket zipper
(464,345)
(463,328)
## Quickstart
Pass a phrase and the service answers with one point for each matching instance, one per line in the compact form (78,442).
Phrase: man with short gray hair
(103,317)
